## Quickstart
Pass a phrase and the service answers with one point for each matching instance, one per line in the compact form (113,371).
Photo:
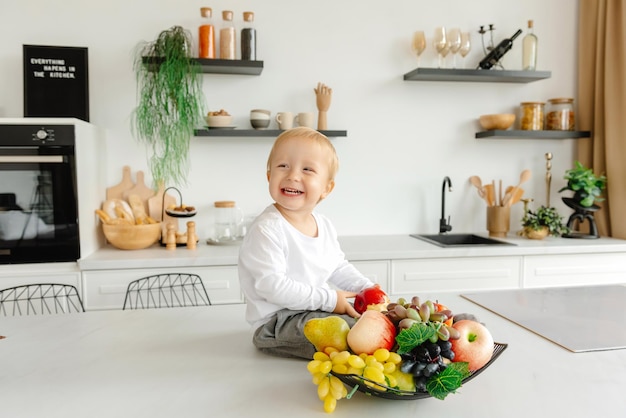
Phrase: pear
(331,331)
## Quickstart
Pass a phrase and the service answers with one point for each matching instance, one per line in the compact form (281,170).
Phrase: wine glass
(418,44)
(466,45)
(440,43)
(454,43)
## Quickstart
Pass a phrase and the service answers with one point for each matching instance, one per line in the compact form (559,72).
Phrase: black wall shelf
(257,132)
(219,66)
(490,76)
(515,134)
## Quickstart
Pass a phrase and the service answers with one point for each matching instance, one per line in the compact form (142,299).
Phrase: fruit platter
(402,350)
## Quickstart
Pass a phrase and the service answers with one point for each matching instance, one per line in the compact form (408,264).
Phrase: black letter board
(56,82)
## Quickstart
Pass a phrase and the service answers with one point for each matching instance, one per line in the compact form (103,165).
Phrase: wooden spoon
(523,178)
(476,182)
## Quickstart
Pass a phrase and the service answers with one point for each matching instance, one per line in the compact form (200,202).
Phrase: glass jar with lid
(560,114)
(531,116)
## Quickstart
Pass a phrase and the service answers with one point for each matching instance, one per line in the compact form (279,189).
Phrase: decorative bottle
(529,49)
(206,35)
(227,36)
(248,38)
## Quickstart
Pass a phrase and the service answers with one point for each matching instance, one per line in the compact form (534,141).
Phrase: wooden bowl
(132,237)
(219,121)
(500,121)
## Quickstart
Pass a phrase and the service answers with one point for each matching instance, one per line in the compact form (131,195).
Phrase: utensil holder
(498,220)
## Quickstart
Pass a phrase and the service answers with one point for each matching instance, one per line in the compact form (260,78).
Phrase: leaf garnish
(409,338)
(448,381)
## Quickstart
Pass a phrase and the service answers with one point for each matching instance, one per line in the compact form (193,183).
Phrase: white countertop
(356,248)
(200,362)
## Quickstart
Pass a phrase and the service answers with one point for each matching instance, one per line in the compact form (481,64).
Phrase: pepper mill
(548,177)
(191,235)
(170,242)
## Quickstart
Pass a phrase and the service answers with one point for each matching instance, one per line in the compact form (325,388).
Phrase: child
(290,262)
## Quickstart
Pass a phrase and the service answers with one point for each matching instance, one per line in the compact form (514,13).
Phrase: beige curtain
(602,104)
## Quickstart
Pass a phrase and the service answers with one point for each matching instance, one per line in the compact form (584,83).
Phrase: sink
(458,240)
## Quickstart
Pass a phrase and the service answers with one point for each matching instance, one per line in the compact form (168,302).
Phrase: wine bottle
(529,49)
(498,52)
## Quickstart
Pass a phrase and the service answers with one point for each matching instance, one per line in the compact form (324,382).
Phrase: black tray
(386,392)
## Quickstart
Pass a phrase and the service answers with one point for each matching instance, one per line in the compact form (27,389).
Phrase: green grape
(413,314)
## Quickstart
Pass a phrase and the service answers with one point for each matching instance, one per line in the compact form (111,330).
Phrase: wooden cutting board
(117,191)
(140,189)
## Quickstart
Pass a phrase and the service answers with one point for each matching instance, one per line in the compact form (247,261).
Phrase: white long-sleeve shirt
(279,267)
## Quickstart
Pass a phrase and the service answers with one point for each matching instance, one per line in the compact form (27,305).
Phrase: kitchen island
(200,362)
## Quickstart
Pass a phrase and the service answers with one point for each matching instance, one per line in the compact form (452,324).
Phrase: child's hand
(343,306)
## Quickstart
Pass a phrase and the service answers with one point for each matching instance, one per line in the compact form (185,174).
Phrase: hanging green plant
(170,102)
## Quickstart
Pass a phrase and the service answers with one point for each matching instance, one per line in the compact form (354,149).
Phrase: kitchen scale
(579,319)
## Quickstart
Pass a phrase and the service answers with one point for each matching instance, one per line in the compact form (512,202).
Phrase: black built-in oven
(38,194)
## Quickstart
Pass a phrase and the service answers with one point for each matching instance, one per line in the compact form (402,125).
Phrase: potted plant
(587,187)
(170,102)
(543,222)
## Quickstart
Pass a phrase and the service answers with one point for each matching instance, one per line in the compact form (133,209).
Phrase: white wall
(403,137)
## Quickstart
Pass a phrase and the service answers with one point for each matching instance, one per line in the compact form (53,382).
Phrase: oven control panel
(37,135)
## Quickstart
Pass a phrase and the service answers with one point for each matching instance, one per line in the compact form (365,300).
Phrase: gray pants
(283,335)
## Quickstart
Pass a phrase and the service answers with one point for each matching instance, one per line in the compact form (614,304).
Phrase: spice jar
(560,114)
(206,35)
(531,118)
(227,36)
(248,38)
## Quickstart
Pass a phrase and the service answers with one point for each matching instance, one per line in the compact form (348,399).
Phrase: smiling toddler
(291,267)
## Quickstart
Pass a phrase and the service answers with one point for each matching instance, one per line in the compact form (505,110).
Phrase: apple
(330,331)
(475,345)
(373,330)
(371,298)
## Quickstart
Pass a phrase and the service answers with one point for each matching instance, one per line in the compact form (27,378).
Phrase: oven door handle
(31,158)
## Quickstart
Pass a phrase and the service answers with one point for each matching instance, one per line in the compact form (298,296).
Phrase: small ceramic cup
(306,119)
(284,120)
(260,118)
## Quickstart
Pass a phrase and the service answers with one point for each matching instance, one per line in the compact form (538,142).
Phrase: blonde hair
(313,136)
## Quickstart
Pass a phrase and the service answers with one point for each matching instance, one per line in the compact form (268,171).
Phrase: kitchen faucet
(444,226)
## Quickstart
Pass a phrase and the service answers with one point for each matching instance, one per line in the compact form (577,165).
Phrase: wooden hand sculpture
(323,94)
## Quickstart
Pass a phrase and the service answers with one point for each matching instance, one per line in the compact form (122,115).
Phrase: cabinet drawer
(106,289)
(18,275)
(574,270)
(414,277)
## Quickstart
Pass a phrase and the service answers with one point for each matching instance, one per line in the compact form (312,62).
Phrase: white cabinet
(106,289)
(16,275)
(574,269)
(376,271)
(414,277)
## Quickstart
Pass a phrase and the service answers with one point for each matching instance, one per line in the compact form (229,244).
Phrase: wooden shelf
(257,132)
(515,134)
(490,76)
(219,66)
